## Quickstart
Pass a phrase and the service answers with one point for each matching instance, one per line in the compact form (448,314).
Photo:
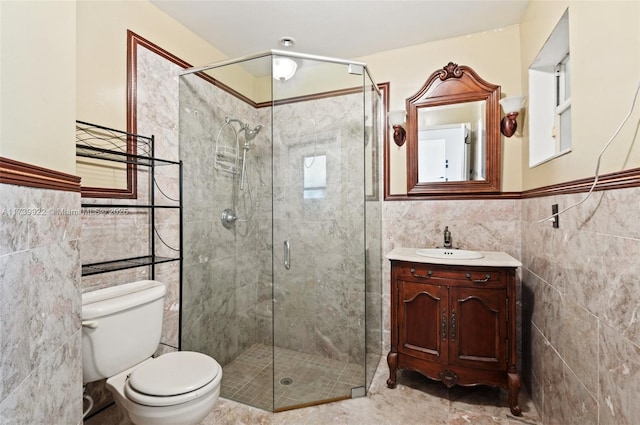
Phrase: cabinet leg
(513,387)
(392,361)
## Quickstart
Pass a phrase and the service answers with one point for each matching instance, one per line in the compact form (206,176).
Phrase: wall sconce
(396,121)
(511,107)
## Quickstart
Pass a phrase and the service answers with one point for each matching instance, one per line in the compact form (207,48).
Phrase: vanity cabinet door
(422,319)
(478,323)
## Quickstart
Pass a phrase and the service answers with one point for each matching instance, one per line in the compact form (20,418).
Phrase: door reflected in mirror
(452,143)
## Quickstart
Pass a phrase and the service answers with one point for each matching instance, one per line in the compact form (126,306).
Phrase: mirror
(453,135)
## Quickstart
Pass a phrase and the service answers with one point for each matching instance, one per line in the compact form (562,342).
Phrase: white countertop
(490,259)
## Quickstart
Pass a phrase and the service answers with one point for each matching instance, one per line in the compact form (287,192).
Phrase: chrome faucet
(447,237)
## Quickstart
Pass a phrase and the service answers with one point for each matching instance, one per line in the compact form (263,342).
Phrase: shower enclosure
(282,228)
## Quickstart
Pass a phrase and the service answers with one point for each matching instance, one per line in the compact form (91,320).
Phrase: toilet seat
(172,378)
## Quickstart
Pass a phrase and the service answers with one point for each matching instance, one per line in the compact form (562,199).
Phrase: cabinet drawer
(454,275)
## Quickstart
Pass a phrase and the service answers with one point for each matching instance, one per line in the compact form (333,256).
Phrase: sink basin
(453,254)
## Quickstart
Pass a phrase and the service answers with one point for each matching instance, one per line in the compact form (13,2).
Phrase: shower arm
(230,120)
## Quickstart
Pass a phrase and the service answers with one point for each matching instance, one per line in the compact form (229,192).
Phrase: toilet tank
(121,327)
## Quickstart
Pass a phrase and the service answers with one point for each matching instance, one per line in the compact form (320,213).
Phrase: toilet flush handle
(90,324)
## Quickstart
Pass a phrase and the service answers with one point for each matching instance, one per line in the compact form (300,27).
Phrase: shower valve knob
(228,218)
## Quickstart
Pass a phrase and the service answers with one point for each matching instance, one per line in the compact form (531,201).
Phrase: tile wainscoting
(580,307)
(40,337)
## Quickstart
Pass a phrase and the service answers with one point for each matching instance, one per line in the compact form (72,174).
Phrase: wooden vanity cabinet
(455,324)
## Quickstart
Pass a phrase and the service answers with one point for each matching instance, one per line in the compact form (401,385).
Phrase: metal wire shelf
(112,145)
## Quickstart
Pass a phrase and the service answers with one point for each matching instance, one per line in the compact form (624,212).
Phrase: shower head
(249,134)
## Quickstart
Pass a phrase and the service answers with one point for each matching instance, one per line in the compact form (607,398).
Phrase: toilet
(121,329)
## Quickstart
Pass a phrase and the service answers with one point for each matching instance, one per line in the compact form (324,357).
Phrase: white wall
(37,66)
(605,58)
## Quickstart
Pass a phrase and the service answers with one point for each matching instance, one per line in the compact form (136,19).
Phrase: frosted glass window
(315,176)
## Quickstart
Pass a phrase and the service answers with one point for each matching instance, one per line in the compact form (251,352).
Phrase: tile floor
(416,400)
(300,378)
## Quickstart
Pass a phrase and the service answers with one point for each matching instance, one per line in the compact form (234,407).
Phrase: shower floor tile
(300,378)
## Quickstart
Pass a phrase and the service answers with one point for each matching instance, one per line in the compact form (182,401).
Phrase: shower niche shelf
(108,145)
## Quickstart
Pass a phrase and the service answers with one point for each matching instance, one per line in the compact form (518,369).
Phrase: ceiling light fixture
(283,67)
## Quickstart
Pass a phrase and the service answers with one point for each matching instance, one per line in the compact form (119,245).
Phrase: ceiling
(341,29)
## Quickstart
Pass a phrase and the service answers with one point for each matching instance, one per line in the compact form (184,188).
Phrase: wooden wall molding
(23,174)
(617,180)
(454,196)
(133,41)
(612,181)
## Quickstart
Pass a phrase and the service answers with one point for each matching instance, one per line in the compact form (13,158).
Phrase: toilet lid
(174,373)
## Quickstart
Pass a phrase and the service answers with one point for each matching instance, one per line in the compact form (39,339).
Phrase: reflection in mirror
(453,135)
(451,142)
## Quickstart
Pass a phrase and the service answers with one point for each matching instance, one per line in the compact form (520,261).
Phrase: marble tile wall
(158,114)
(40,337)
(580,325)
(320,300)
(226,281)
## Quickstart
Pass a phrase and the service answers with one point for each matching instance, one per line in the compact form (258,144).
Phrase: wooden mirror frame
(449,85)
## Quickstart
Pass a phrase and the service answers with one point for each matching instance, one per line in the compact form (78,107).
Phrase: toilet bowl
(121,329)
(177,388)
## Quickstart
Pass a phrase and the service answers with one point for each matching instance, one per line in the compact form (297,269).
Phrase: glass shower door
(281,283)
(318,235)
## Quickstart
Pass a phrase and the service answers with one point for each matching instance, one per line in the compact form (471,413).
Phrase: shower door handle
(287,258)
